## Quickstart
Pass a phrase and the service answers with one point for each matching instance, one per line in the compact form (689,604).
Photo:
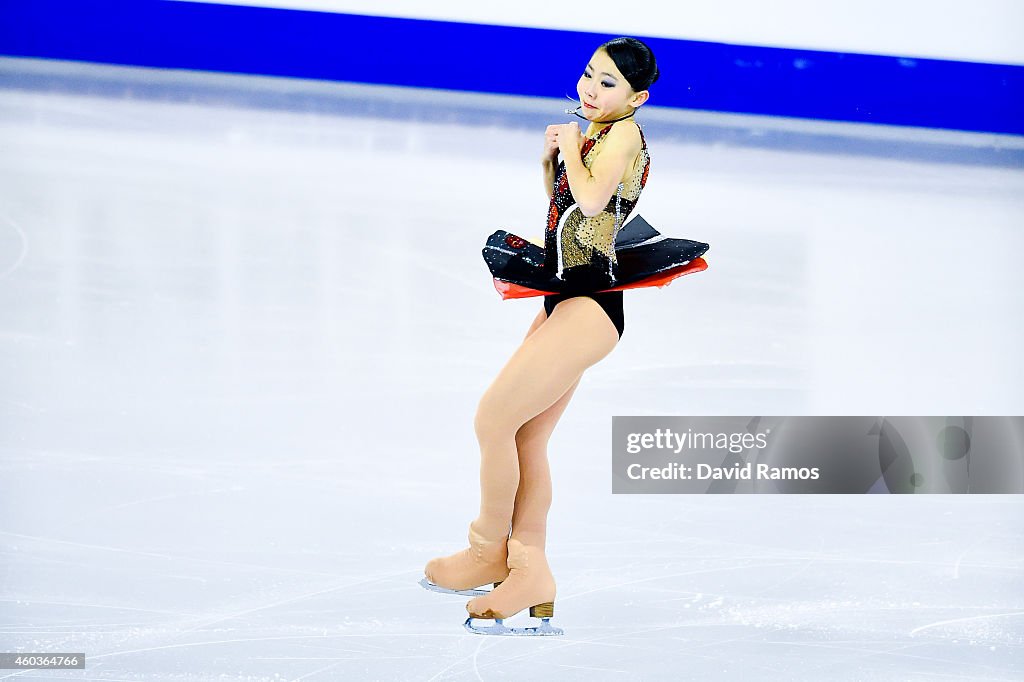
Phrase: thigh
(549,362)
(538,430)
(537,322)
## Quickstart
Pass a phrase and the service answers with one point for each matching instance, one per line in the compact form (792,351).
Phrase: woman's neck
(596,126)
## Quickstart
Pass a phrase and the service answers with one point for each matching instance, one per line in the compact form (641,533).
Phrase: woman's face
(604,92)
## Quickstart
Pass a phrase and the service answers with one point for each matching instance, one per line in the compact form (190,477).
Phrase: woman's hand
(569,138)
(550,144)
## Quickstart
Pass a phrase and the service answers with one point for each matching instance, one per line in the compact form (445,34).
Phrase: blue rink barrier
(892,90)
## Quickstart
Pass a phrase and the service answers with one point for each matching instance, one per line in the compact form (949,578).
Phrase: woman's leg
(533,497)
(543,371)
(547,364)
(485,560)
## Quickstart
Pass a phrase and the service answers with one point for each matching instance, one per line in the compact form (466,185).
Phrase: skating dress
(596,256)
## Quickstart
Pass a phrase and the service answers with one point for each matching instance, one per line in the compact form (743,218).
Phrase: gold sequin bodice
(586,244)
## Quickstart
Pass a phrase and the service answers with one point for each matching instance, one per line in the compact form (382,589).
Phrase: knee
(492,420)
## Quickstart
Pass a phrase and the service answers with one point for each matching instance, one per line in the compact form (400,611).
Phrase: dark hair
(634,60)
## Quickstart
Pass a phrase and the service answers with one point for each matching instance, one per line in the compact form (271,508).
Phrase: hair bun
(634,60)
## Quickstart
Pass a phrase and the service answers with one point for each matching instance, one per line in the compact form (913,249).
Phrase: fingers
(563,129)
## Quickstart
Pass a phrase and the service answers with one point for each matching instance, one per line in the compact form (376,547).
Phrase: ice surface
(242,348)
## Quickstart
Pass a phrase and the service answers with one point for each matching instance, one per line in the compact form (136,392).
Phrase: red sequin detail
(514,241)
(591,141)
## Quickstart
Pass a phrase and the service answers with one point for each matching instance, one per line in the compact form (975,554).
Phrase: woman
(602,176)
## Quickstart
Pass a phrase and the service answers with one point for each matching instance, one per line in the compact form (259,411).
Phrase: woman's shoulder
(627,129)
(625,134)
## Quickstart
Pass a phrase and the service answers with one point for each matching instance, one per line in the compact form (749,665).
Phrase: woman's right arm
(549,167)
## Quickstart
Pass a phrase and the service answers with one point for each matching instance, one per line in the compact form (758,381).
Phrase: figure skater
(591,191)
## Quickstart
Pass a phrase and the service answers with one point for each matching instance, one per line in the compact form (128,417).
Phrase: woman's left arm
(594,187)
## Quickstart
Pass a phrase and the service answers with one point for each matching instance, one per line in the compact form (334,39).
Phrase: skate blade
(475,592)
(499,628)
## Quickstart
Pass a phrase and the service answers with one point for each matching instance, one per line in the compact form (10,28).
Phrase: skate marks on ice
(901,589)
(17,255)
(772,638)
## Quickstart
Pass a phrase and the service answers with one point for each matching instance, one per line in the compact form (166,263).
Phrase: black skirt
(641,252)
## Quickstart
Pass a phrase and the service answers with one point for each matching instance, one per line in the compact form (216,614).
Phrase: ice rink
(245,323)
